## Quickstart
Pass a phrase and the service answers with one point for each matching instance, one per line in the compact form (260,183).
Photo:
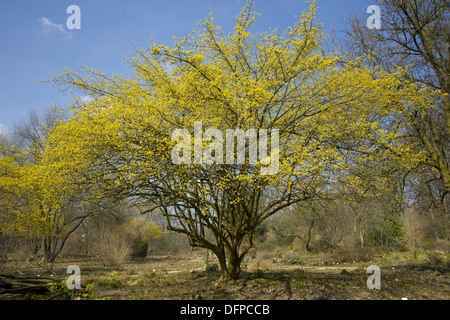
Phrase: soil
(190,278)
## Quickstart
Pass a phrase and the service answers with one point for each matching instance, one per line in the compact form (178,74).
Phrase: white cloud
(51,27)
(86,99)
(47,23)
(4,130)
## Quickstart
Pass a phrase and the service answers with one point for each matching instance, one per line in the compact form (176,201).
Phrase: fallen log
(25,285)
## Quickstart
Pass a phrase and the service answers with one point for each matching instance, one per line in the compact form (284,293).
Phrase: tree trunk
(308,237)
(361,236)
(232,268)
(52,248)
(234,265)
(49,255)
(220,254)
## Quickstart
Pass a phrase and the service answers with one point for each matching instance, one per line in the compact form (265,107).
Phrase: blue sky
(35,41)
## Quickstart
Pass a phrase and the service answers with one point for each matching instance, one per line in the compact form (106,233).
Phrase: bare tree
(416,34)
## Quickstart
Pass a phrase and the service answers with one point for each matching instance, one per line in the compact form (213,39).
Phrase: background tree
(415,34)
(38,205)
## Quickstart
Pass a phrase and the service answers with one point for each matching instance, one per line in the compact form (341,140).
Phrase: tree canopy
(335,119)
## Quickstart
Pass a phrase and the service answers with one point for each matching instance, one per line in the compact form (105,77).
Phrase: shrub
(442,245)
(258,273)
(111,250)
(114,246)
(320,244)
(341,255)
(357,254)
(211,267)
(60,290)
(138,232)
(114,281)
(139,247)
(435,259)
(363,254)
(266,249)
(291,257)
(264,255)
(171,244)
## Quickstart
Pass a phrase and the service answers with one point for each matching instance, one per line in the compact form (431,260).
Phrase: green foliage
(211,267)
(393,225)
(258,273)
(139,247)
(270,243)
(59,288)
(61,291)
(89,291)
(390,233)
(139,232)
(114,281)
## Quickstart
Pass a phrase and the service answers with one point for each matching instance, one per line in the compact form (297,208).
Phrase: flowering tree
(328,116)
(36,202)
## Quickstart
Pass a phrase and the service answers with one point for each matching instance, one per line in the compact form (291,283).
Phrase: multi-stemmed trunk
(231,267)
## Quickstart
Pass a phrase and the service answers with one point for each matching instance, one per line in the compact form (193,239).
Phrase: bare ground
(185,277)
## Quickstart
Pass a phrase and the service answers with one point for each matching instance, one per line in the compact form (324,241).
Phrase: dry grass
(184,277)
